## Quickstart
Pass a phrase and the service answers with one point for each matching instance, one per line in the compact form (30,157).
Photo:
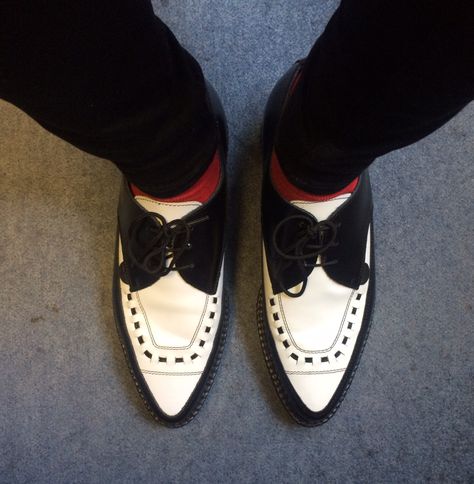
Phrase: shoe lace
(160,244)
(312,239)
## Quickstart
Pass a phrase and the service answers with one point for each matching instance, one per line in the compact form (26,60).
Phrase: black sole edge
(274,371)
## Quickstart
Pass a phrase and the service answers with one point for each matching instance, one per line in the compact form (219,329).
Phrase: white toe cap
(171,392)
(316,390)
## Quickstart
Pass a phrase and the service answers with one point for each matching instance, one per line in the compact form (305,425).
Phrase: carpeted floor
(69,411)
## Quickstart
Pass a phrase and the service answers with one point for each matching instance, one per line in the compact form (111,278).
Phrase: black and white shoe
(169,301)
(318,286)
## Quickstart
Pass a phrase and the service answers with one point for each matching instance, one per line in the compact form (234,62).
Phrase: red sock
(290,192)
(201,191)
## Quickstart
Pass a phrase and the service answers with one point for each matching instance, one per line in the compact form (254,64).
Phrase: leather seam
(336,339)
(164,204)
(315,372)
(305,202)
(148,372)
(177,348)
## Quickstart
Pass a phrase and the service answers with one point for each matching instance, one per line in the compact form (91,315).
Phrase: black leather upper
(352,218)
(206,238)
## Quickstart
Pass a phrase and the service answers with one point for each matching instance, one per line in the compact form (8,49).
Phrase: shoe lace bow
(311,240)
(156,246)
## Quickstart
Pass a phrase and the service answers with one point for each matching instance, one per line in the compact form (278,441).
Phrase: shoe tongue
(322,210)
(170,211)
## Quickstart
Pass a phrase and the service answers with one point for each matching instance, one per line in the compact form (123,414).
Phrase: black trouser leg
(383,75)
(109,77)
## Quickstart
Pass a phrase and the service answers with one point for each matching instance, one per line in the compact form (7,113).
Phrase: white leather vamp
(172,321)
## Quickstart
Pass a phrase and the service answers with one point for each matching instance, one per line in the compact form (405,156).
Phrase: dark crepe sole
(282,385)
(204,386)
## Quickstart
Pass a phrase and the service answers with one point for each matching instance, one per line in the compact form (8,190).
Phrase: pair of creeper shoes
(313,310)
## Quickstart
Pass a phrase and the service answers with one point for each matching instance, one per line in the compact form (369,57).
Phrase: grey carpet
(69,411)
